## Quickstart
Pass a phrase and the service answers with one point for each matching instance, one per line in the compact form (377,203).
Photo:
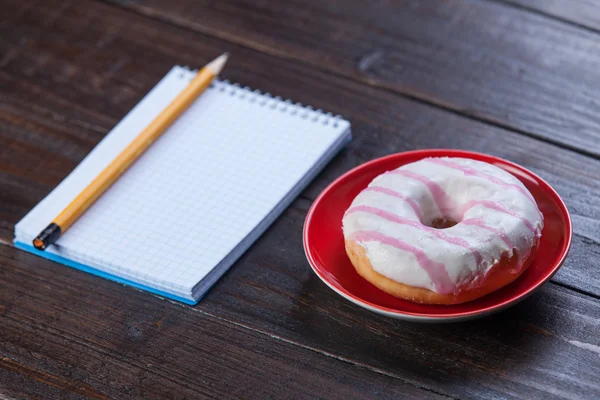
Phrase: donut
(442,230)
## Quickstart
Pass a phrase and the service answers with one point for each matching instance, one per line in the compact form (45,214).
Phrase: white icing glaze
(496,215)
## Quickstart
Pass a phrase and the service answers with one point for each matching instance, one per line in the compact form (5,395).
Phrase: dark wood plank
(531,350)
(46,130)
(60,335)
(585,13)
(487,60)
(85,334)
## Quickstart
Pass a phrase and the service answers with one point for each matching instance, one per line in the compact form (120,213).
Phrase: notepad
(199,197)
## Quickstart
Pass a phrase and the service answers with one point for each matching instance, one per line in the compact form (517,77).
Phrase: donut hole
(442,223)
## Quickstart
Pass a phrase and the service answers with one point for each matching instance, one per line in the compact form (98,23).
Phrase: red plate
(324,242)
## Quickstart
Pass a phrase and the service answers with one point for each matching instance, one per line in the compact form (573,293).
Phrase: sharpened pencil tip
(216,65)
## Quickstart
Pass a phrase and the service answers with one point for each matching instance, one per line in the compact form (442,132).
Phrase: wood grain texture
(77,67)
(41,112)
(585,13)
(266,322)
(490,61)
(87,339)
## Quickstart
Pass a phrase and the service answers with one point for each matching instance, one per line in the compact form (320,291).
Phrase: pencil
(130,154)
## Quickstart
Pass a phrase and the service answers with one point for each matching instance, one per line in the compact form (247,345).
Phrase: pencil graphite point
(216,65)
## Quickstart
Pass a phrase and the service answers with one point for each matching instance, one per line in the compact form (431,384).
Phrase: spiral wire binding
(267,100)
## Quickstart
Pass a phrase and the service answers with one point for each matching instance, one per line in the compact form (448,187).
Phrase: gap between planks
(274,52)
(423,100)
(531,10)
(4,242)
(428,102)
(292,342)
(575,289)
(313,349)
(181,380)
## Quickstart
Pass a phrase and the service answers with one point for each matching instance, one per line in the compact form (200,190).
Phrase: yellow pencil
(131,153)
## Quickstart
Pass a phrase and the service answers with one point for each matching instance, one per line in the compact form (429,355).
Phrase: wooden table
(519,79)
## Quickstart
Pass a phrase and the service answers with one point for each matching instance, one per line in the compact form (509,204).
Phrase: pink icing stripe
(474,172)
(399,220)
(440,197)
(479,222)
(391,192)
(498,207)
(436,271)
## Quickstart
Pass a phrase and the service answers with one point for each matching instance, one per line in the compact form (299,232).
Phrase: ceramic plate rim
(421,317)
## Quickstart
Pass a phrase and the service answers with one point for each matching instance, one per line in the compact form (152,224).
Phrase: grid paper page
(196,193)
